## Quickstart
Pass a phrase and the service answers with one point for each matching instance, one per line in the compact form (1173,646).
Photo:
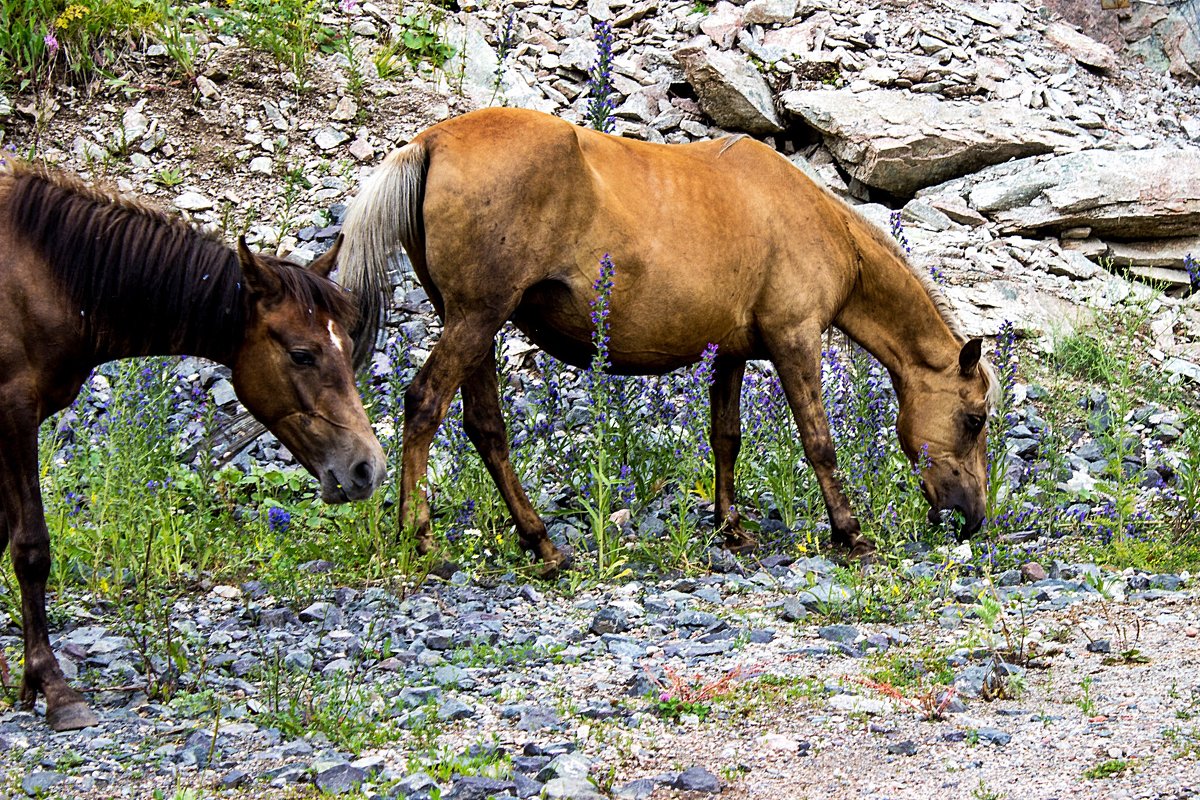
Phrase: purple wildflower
(1193,271)
(278,519)
(51,42)
(600,87)
(348,6)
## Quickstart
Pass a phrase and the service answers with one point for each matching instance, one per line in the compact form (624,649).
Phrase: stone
(193,201)
(904,748)
(327,614)
(1032,571)
(474,787)
(134,125)
(609,619)
(902,142)
(262,165)
(1130,195)
(361,149)
(37,784)
(769,12)
(1081,47)
(845,634)
(208,90)
(1168,253)
(339,779)
(345,110)
(571,788)
(697,779)
(330,138)
(722,24)
(731,91)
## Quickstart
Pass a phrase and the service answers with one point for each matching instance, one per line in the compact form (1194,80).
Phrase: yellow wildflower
(72,14)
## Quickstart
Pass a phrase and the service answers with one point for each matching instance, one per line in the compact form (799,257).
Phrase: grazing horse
(506,214)
(85,278)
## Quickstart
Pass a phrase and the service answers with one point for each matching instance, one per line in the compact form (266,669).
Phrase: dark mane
(143,280)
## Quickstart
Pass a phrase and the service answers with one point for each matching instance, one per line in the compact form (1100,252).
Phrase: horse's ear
(323,264)
(968,357)
(260,279)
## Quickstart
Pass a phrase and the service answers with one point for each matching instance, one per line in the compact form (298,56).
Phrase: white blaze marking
(337,340)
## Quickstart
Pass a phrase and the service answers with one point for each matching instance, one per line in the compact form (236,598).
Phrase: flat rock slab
(902,142)
(1122,194)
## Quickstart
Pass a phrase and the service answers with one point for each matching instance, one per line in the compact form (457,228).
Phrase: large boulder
(901,142)
(1118,194)
(731,91)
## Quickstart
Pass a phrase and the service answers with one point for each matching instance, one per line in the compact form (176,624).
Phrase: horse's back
(699,233)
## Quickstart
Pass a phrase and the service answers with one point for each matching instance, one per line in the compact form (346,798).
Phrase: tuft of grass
(1108,769)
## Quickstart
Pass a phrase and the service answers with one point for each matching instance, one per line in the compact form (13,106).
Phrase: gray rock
(36,784)
(453,708)
(731,91)
(1082,48)
(193,201)
(697,779)
(339,779)
(474,787)
(845,634)
(330,138)
(1132,195)
(902,142)
(327,614)
(609,619)
(571,788)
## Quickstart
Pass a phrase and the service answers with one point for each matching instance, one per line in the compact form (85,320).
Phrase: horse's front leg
(29,542)
(464,343)
(484,424)
(797,357)
(726,435)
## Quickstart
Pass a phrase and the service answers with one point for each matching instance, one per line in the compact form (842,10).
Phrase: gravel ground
(524,692)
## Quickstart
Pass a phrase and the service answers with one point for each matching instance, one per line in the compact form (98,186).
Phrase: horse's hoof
(741,545)
(558,563)
(71,717)
(864,553)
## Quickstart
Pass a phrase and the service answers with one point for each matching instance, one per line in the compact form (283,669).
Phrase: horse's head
(942,426)
(293,373)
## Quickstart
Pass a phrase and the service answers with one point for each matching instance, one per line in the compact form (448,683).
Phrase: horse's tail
(385,216)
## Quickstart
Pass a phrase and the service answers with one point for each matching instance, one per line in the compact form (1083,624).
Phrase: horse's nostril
(363,473)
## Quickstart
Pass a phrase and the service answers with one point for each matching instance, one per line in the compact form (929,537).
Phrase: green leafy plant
(1108,769)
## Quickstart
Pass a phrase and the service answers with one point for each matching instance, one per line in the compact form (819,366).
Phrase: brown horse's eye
(975,423)
(302,358)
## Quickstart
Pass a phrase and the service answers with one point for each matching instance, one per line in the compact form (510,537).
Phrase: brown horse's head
(293,373)
(942,426)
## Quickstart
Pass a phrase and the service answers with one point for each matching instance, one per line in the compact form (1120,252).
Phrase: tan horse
(86,278)
(506,214)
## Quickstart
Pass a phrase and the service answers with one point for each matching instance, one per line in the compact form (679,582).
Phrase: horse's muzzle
(966,528)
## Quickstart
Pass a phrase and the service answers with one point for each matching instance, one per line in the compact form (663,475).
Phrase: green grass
(1108,769)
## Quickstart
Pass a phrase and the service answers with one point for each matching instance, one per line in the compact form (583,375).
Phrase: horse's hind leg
(484,424)
(796,354)
(464,343)
(21,505)
(725,407)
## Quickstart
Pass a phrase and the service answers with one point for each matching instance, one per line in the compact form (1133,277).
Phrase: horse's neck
(148,318)
(891,315)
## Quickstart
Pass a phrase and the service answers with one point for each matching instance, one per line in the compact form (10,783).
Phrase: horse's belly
(643,339)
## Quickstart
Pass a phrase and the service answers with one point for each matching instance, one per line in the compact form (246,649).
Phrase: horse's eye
(302,358)
(975,423)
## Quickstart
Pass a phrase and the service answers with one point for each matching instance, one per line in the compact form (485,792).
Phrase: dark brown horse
(506,214)
(86,278)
